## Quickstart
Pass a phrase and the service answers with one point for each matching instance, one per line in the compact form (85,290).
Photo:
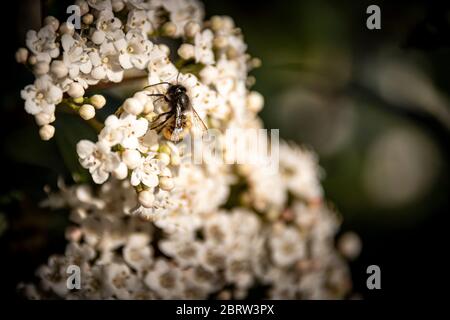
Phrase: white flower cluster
(66,62)
(220,253)
(159,226)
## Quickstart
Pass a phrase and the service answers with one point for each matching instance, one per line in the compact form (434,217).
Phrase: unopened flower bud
(141,96)
(121,172)
(255,63)
(169,29)
(47,132)
(117,5)
(133,106)
(186,51)
(148,107)
(32,60)
(349,245)
(73,233)
(164,48)
(191,29)
(164,158)
(131,158)
(52,21)
(227,23)
(75,90)
(88,19)
(98,101)
(220,42)
(98,36)
(216,23)
(84,7)
(44,118)
(175,159)
(166,183)
(41,68)
(255,101)
(59,69)
(232,53)
(22,55)
(146,198)
(67,28)
(87,111)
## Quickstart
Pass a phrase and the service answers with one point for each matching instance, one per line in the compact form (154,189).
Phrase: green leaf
(25,146)
(69,131)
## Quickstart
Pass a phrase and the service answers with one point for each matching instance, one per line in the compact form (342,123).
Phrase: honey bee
(176,122)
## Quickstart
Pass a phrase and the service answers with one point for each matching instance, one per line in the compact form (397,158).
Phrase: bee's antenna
(155,84)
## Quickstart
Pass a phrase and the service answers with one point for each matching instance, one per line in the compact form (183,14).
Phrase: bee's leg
(160,95)
(159,116)
(158,123)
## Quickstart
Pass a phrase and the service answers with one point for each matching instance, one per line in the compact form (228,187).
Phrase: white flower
(158,227)
(162,205)
(141,4)
(106,63)
(349,245)
(139,20)
(240,272)
(75,56)
(305,217)
(118,280)
(203,47)
(125,130)
(53,275)
(214,257)
(160,68)
(98,158)
(80,254)
(134,50)
(183,11)
(41,96)
(42,43)
(100,5)
(110,26)
(164,279)
(137,252)
(218,229)
(300,172)
(207,280)
(47,132)
(147,172)
(267,190)
(183,249)
(287,246)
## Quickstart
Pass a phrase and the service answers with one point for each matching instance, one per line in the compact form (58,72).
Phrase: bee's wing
(161,120)
(199,120)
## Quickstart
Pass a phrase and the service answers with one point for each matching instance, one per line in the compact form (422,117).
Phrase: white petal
(135,180)
(125,61)
(100,176)
(67,42)
(140,127)
(31,107)
(150,180)
(85,148)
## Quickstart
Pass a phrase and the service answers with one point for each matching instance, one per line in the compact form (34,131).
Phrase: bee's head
(176,89)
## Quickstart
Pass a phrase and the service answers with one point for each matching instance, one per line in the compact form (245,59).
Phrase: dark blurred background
(374,104)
